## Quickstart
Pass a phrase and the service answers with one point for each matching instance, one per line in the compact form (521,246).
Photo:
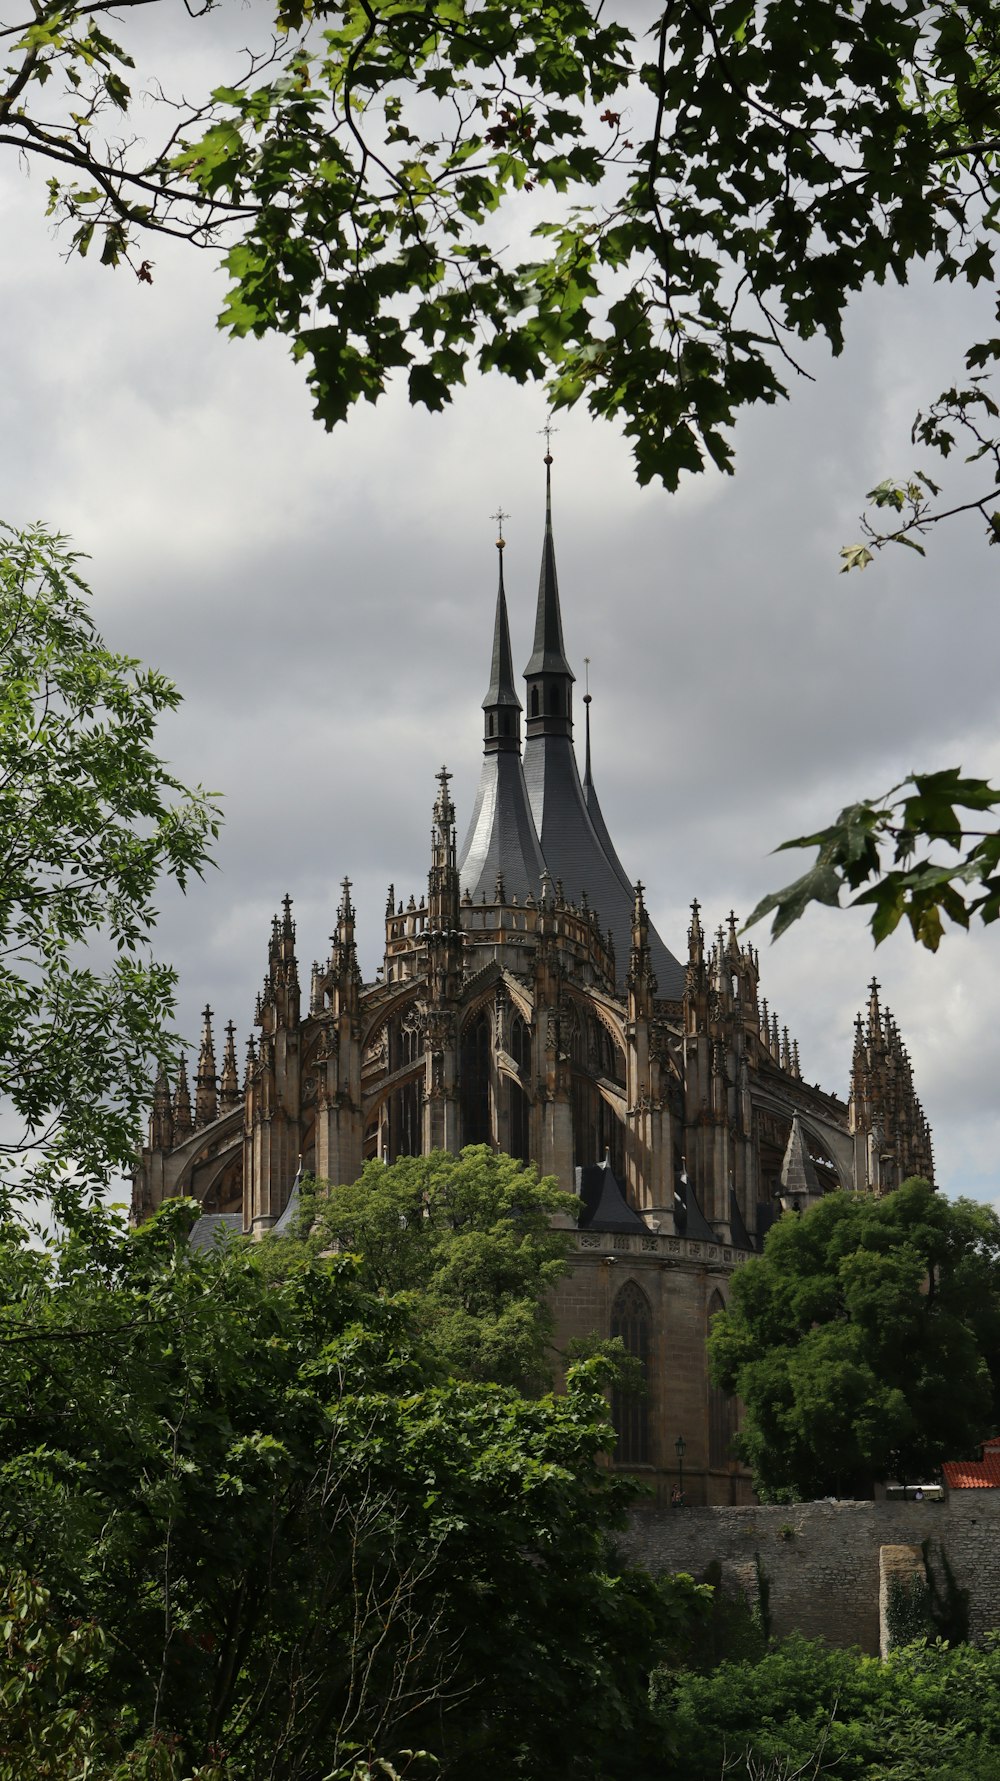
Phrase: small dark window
(722,1417)
(506,724)
(491,726)
(554,700)
(534,701)
(630,1321)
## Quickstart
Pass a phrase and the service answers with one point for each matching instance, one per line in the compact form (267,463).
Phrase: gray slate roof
(215,1227)
(501,836)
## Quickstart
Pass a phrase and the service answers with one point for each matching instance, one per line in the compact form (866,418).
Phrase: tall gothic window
(722,1416)
(630,1321)
(476,1123)
(520,1044)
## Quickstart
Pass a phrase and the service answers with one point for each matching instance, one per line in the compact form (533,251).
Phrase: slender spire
(587,779)
(549,654)
(182,1104)
(501,704)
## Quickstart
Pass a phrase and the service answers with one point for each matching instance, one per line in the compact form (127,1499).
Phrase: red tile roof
(973,1474)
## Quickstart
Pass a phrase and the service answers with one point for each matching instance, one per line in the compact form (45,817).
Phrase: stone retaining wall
(821,1560)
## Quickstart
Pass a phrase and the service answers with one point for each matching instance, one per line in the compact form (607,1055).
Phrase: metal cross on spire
(548,431)
(500,516)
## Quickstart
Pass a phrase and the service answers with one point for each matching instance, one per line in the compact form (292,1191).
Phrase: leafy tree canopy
(865,1341)
(284,1546)
(470,1241)
(806,1710)
(713,186)
(90,823)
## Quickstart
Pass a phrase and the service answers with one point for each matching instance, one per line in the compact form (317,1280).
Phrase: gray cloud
(325,604)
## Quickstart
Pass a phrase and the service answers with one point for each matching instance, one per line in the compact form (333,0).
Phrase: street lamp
(680,1448)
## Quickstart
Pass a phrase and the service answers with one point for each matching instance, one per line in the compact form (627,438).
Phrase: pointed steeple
(501,706)
(548,674)
(501,836)
(575,842)
(206,1101)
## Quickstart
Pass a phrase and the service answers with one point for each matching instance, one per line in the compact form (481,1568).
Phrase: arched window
(630,1322)
(491,726)
(722,1417)
(554,700)
(534,701)
(520,1043)
(476,1123)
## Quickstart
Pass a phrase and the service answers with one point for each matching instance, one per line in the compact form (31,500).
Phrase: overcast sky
(325,603)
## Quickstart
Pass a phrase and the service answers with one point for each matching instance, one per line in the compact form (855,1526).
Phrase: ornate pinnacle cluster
(721,987)
(883,1099)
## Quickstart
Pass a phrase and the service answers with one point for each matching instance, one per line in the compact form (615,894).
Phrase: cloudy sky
(325,604)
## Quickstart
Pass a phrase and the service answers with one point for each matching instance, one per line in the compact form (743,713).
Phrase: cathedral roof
(798,1171)
(542,818)
(501,840)
(604,1206)
(597,817)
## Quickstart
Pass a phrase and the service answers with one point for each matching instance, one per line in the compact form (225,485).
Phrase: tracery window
(722,1413)
(475,1067)
(631,1321)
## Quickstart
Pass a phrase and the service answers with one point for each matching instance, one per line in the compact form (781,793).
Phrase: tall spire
(501,706)
(571,831)
(548,674)
(501,837)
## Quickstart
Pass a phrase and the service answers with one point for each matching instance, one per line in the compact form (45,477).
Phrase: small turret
(442,882)
(161,1123)
(183,1123)
(206,1096)
(229,1083)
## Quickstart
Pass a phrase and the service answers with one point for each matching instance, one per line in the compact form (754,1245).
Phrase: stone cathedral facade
(526,1001)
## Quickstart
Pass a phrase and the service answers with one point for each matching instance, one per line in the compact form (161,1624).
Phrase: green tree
(865,1341)
(470,1241)
(294,1547)
(91,822)
(806,1710)
(744,171)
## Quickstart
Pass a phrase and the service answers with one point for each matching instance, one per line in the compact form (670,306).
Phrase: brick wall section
(822,1559)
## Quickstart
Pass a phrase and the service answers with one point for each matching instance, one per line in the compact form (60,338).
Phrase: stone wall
(821,1560)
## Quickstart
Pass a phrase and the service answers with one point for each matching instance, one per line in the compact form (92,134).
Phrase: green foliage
(908,1614)
(721,183)
(469,1241)
(285,1548)
(91,823)
(865,1341)
(806,1709)
(925,863)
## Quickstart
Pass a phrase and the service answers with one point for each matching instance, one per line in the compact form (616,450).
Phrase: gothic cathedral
(526,1001)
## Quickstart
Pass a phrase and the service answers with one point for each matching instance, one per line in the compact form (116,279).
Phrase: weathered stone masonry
(822,1559)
